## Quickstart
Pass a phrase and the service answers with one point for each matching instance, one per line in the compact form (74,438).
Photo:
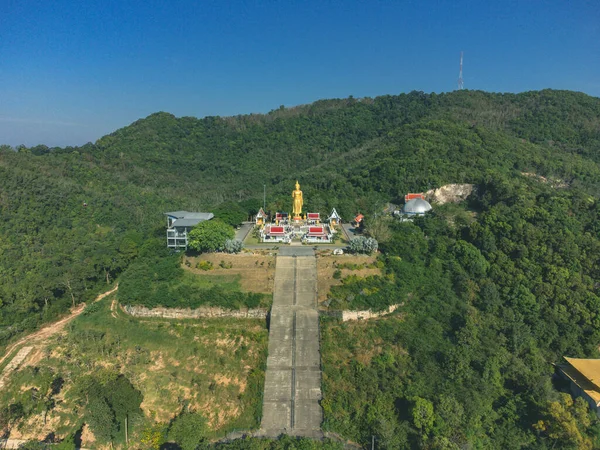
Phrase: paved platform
(293,378)
(296,250)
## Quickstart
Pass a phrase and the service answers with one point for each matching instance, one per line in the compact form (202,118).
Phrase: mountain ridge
(352,154)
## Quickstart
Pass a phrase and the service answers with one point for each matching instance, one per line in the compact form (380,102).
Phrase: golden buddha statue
(298,201)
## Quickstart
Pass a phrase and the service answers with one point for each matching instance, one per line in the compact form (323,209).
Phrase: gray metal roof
(187,218)
(416,206)
(186,222)
(190,215)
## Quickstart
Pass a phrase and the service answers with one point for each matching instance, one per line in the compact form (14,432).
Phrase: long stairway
(293,377)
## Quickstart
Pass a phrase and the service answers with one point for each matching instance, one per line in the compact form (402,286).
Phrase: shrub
(91,309)
(363,244)
(204,265)
(233,246)
(225,265)
(337,274)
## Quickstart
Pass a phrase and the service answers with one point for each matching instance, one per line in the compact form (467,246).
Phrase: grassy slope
(213,366)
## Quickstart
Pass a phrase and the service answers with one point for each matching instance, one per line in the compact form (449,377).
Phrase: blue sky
(72,71)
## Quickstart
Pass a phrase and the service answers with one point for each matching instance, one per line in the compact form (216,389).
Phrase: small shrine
(307,228)
(334,218)
(261,217)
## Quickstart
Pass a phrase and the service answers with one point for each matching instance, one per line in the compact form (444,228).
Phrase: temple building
(416,207)
(411,196)
(584,378)
(179,223)
(261,217)
(334,218)
(306,228)
(276,233)
(282,218)
(313,218)
(318,235)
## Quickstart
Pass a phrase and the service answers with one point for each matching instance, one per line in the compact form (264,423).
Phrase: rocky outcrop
(359,315)
(368,314)
(450,193)
(199,313)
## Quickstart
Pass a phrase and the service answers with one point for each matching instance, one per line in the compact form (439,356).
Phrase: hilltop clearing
(255,272)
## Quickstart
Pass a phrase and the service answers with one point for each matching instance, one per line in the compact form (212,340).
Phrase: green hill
(493,290)
(349,153)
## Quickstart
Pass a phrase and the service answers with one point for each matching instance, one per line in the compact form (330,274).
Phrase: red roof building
(275,231)
(316,231)
(409,197)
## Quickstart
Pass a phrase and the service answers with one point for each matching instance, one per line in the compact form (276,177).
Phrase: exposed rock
(368,314)
(360,315)
(450,193)
(204,312)
(554,182)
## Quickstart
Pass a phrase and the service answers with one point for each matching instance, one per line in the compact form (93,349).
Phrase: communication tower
(461,84)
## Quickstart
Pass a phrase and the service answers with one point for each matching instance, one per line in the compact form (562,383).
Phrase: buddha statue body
(298,201)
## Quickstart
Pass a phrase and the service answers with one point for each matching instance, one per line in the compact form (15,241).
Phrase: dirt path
(50,329)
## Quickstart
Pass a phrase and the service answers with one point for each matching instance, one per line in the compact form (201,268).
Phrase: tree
(68,443)
(378,228)
(471,259)
(107,398)
(124,399)
(188,430)
(101,419)
(210,236)
(566,422)
(231,213)
(153,437)
(423,417)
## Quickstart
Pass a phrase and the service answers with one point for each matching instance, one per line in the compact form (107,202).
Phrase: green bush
(91,309)
(233,246)
(204,265)
(363,244)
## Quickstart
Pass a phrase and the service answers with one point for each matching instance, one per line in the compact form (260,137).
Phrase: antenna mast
(461,84)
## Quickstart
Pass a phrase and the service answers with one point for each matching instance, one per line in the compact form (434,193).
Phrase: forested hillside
(74,218)
(492,293)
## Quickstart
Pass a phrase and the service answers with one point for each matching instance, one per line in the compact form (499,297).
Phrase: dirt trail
(51,329)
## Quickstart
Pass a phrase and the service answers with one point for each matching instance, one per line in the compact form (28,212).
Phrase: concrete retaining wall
(204,312)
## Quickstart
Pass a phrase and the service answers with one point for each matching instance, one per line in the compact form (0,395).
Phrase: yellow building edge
(585,373)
